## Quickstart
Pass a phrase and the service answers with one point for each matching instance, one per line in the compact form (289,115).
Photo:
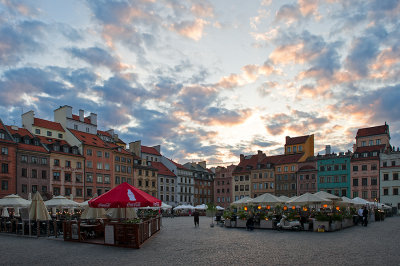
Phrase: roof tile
(48,124)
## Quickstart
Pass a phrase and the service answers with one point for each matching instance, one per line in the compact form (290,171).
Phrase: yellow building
(300,145)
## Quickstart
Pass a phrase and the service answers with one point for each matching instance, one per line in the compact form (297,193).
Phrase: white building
(389,179)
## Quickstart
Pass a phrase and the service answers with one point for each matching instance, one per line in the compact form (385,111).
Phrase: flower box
(335,226)
(267,224)
(228,223)
(241,223)
(347,223)
(321,224)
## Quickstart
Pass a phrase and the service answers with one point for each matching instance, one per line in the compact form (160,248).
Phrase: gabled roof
(150,150)
(20,131)
(3,127)
(248,162)
(89,139)
(162,169)
(85,120)
(50,141)
(30,147)
(283,159)
(296,140)
(47,124)
(178,165)
(104,133)
(372,131)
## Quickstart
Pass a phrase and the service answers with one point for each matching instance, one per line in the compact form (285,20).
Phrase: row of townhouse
(71,157)
(371,171)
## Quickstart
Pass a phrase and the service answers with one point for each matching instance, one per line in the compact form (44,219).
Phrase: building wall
(375,139)
(241,185)
(334,174)
(262,181)
(28,181)
(365,183)
(390,179)
(8,174)
(185,187)
(307,177)
(167,189)
(145,178)
(286,179)
(59,184)
(223,186)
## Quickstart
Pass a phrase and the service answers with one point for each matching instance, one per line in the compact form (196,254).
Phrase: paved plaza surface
(180,243)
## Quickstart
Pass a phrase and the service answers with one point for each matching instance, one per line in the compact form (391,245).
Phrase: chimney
(241,157)
(28,120)
(136,148)
(81,115)
(327,149)
(93,119)
(203,164)
(158,148)
(287,139)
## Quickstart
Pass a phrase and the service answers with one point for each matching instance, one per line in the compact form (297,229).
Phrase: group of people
(363,216)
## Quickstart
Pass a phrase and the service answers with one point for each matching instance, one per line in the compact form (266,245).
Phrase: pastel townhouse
(166,183)
(334,173)
(203,182)
(389,179)
(263,178)
(223,185)
(8,161)
(370,142)
(307,176)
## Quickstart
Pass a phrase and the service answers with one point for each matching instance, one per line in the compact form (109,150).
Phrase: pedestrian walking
(196,217)
(365,216)
(360,215)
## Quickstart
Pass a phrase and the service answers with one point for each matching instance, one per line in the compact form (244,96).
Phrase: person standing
(360,215)
(196,217)
(365,216)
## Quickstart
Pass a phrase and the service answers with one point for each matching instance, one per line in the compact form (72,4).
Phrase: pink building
(307,176)
(370,142)
(223,186)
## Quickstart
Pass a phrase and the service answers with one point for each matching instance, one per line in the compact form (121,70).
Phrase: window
(364,167)
(78,192)
(385,177)
(76,127)
(378,142)
(373,167)
(285,168)
(117,180)
(288,149)
(56,147)
(355,168)
(363,144)
(107,166)
(293,168)
(60,136)
(321,180)
(129,180)
(49,133)
(374,194)
(344,179)
(355,182)
(4,150)
(4,184)
(123,179)
(123,169)
(34,173)
(67,163)
(99,166)
(336,167)
(89,192)
(322,168)
(34,188)
(44,174)
(371,142)
(395,176)
(87,131)
(44,189)
(374,182)
(107,179)
(344,167)
(56,176)
(89,177)
(78,165)
(4,168)
(66,149)
(279,169)
(355,194)
(117,168)
(67,177)
(89,152)
(56,162)
(24,172)
(24,188)
(364,182)
(385,191)
(393,163)
(56,191)
(67,191)
(99,178)
(99,154)
(294,148)
(2,135)
(78,178)
(140,183)
(27,141)
(34,160)
(395,191)
(365,194)
(117,158)
(384,164)
(89,164)
(106,154)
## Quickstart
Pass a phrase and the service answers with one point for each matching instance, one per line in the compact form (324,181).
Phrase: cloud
(266,88)
(190,29)
(288,14)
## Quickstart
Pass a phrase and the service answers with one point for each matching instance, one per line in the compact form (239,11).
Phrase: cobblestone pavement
(180,243)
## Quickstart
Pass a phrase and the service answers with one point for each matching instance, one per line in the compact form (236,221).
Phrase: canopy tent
(93,213)
(14,201)
(184,207)
(219,208)
(267,198)
(37,209)
(165,206)
(124,196)
(361,201)
(308,198)
(201,207)
(346,202)
(118,213)
(326,195)
(284,198)
(242,201)
(61,202)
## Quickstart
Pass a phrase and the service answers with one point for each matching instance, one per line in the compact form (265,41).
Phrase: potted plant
(242,219)
(336,223)
(265,221)
(321,222)
(211,209)
(227,217)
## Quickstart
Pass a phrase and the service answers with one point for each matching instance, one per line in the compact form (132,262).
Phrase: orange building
(300,145)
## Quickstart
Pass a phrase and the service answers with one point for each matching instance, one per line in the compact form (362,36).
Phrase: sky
(206,80)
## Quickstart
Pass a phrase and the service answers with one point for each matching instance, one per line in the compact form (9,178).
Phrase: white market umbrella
(284,198)
(244,200)
(184,207)
(61,202)
(165,206)
(13,201)
(326,195)
(346,202)
(361,201)
(38,211)
(267,199)
(308,198)
(219,208)
(201,207)
(93,213)
(5,213)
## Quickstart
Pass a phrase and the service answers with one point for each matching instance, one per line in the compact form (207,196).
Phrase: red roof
(296,140)
(30,147)
(89,139)
(3,127)
(178,165)
(115,147)
(283,159)
(48,124)
(20,131)
(47,140)
(307,167)
(150,150)
(162,169)
(372,131)
(104,133)
(85,120)
(247,162)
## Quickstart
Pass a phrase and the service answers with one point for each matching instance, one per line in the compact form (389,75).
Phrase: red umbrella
(124,196)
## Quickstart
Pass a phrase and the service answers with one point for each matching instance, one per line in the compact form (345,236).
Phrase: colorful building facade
(223,185)
(8,161)
(389,179)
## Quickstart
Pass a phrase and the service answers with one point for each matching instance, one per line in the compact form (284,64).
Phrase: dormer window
(36,142)
(49,133)
(37,131)
(355,155)
(56,148)
(27,141)
(365,154)
(76,127)
(66,149)
(2,135)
